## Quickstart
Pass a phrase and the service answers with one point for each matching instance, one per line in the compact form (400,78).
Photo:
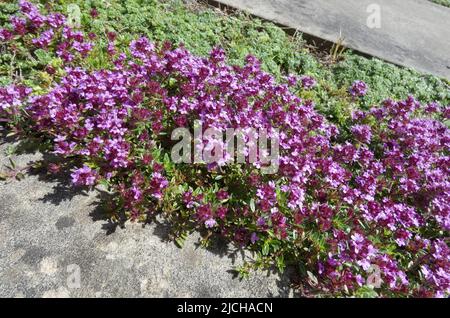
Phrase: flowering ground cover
(360,203)
(442,2)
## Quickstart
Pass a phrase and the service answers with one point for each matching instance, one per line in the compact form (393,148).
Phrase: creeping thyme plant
(349,201)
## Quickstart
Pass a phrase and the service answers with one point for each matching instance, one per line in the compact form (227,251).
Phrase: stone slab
(413,33)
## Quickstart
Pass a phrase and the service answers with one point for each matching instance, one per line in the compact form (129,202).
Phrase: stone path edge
(326,40)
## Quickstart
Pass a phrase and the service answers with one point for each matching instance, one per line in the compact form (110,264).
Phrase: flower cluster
(308,82)
(358,89)
(343,207)
(45,31)
(84,176)
(11,97)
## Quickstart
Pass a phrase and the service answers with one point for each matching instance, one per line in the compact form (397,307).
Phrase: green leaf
(13,165)
(43,56)
(252,205)
(366,292)
(180,240)
(312,278)
(280,263)
(73,15)
(265,249)
(104,182)
(172,82)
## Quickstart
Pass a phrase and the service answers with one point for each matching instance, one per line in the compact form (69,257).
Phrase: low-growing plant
(445,3)
(359,209)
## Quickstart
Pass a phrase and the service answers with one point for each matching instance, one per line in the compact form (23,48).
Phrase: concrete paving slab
(55,243)
(412,33)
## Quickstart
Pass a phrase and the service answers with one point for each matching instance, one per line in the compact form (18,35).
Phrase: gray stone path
(49,233)
(413,33)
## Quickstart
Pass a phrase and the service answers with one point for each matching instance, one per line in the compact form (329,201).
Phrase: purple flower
(26,6)
(292,80)
(358,89)
(94,13)
(84,176)
(254,237)
(261,222)
(19,25)
(432,107)
(210,223)
(221,212)
(157,184)
(362,133)
(217,55)
(56,20)
(13,96)
(5,35)
(321,268)
(308,82)
(44,40)
(222,195)
(141,48)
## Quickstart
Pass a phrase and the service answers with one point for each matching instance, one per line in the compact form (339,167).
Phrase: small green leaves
(180,240)
(43,57)
(266,249)
(243,271)
(13,165)
(366,292)
(252,205)
(280,263)
(105,183)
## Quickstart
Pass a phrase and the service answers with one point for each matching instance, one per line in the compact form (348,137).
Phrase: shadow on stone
(22,146)
(220,246)
(102,212)
(162,229)
(284,284)
(63,190)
